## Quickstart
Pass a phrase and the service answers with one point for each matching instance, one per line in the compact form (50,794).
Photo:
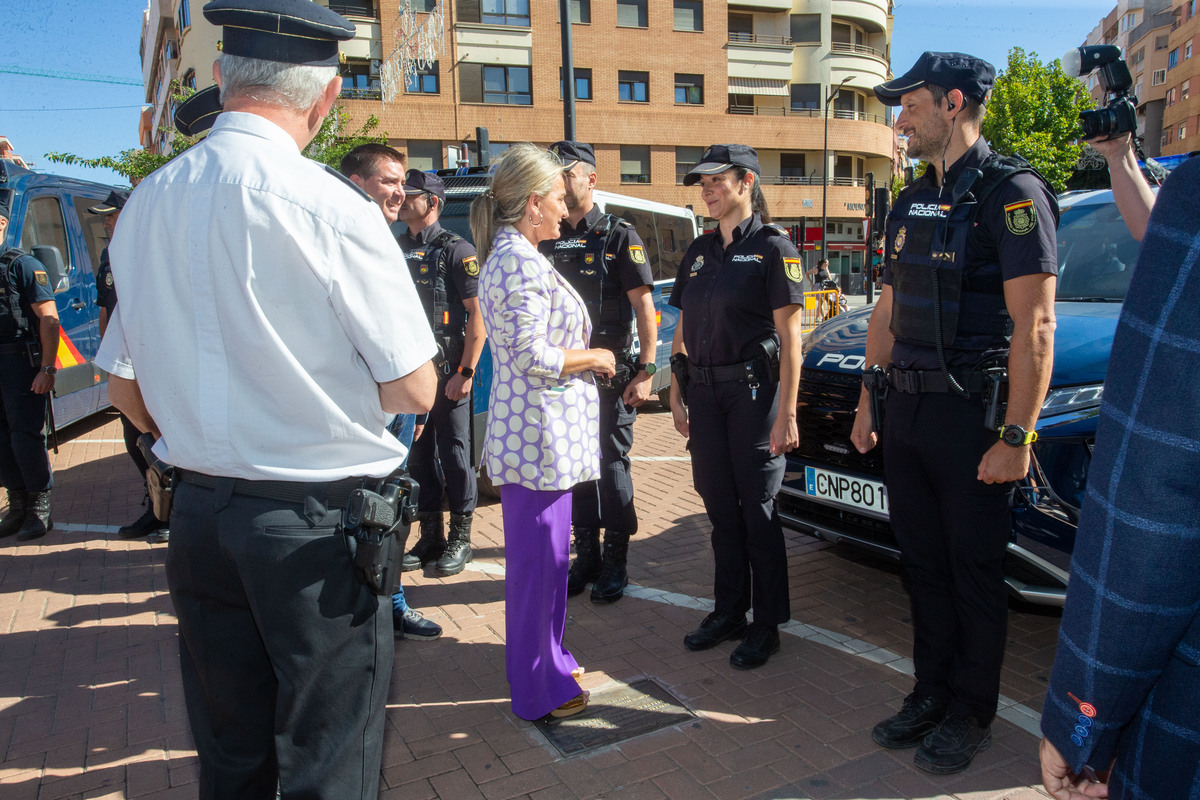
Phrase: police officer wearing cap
(968,285)
(735,377)
(106,298)
(604,260)
(28,347)
(446,273)
(293,339)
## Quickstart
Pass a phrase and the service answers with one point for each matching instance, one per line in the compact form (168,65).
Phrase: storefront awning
(759,86)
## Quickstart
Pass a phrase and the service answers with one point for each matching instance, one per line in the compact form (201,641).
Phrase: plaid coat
(1126,679)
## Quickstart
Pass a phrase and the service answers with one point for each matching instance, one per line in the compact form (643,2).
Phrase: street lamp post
(825,170)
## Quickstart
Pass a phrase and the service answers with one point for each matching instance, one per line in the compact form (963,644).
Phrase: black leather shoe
(145,525)
(760,643)
(952,745)
(715,629)
(917,719)
(37,519)
(411,625)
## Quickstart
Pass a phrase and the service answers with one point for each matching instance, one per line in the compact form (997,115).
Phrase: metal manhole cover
(616,715)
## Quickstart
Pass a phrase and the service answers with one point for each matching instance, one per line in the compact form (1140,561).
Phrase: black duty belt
(748,371)
(919,381)
(14,348)
(336,493)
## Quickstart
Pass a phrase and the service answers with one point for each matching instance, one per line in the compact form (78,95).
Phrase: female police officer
(737,360)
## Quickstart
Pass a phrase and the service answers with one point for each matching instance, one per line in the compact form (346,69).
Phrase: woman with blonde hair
(543,424)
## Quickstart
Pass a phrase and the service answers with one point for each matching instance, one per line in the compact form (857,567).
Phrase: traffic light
(868,208)
(883,197)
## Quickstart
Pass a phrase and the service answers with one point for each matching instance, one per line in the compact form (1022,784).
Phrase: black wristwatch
(1016,436)
(49,370)
(649,368)
(466,372)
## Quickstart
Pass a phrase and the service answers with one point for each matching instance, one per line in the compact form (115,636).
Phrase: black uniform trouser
(738,478)
(953,530)
(440,460)
(608,502)
(285,656)
(24,462)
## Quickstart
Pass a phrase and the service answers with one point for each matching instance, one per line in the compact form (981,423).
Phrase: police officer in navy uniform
(735,377)
(604,259)
(446,273)
(106,298)
(29,333)
(968,285)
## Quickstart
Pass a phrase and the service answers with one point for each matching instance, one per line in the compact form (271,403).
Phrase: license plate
(844,490)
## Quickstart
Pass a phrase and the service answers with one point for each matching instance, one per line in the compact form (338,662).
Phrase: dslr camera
(1120,115)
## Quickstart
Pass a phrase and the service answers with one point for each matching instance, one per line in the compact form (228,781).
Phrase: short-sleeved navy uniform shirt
(625,258)
(991,246)
(106,291)
(462,271)
(27,277)
(729,294)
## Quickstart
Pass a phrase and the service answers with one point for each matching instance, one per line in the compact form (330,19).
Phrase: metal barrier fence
(818,307)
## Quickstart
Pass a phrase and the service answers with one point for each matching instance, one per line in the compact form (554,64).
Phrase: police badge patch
(697,264)
(108,279)
(1020,217)
(898,245)
(791,267)
(470,266)
(637,254)
(588,258)
(41,278)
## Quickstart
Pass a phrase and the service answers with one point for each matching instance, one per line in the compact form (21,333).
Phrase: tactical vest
(581,260)
(430,270)
(927,236)
(14,325)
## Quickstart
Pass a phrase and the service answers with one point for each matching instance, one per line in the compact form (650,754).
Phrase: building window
(635,163)
(1170,97)
(425,81)
(1183,90)
(806,28)
(689,15)
(685,159)
(495,84)
(189,80)
(741,104)
(581,12)
(1137,57)
(360,80)
(1187,51)
(1129,21)
(424,155)
(633,87)
(1161,42)
(353,8)
(185,14)
(423,6)
(1182,130)
(1158,77)
(1173,59)
(741,27)
(806,96)
(689,89)
(583,83)
(632,14)
(791,167)
(505,12)
(1191,8)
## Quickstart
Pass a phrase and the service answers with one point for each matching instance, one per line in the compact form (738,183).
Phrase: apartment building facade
(1181,113)
(656,82)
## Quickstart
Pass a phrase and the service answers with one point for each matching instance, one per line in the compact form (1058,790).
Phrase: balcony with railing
(849,48)
(785,111)
(741,37)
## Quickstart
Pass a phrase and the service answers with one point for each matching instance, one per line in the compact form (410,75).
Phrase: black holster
(679,368)
(995,397)
(376,525)
(876,382)
(161,479)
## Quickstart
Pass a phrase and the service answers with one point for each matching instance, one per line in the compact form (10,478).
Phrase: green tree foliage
(328,146)
(1034,113)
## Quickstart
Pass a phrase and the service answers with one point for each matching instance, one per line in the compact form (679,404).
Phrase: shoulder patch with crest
(637,254)
(898,244)
(41,278)
(108,279)
(791,266)
(1020,217)
(470,265)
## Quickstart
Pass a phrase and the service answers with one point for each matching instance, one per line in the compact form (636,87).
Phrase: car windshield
(1096,254)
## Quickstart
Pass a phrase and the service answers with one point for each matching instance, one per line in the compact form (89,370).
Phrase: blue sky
(48,114)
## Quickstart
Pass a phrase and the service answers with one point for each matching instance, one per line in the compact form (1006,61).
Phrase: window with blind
(632,14)
(635,163)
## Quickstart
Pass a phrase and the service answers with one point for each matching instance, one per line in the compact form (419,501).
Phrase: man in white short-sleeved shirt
(257,334)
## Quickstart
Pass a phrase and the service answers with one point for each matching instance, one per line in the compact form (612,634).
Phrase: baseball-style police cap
(416,182)
(4,209)
(291,31)
(572,153)
(114,202)
(720,157)
(198,113)
(972,76)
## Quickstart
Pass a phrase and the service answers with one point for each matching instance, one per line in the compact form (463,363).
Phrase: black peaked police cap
(291,31)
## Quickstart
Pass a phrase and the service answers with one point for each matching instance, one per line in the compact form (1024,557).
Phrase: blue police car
(833,492)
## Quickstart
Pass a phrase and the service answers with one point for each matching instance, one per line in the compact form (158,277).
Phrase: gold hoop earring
(537,224)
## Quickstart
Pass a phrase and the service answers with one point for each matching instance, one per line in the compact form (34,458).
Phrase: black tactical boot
(430,546)
(610,584)
(37,521)
(458,552)
(586,566)
(145,525)
(14,518)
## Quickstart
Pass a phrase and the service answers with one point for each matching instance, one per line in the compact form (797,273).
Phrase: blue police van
(833,492)
(49,219)
(666,231)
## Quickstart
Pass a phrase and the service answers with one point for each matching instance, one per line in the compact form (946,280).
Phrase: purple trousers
(537,547)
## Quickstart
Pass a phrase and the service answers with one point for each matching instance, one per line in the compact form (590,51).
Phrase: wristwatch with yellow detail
(1016,436)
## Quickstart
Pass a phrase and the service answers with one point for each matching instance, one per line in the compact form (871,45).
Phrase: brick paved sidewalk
(91,704)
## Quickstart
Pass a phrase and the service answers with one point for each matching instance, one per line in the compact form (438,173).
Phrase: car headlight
(1073,398)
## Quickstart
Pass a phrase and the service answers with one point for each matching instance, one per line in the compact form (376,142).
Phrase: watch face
(1014,435)
(650,368)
